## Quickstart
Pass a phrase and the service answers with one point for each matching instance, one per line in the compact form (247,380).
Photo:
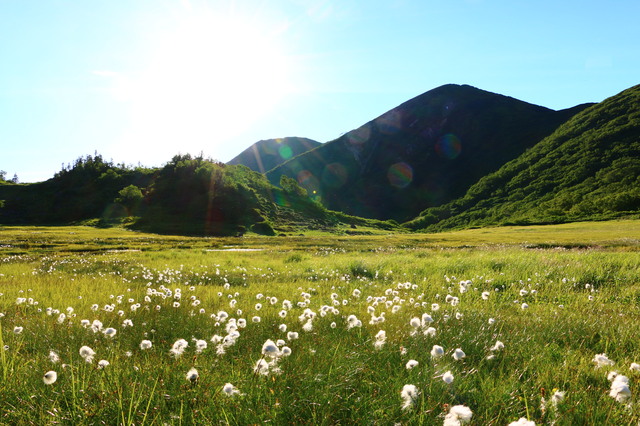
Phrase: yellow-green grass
(582,284)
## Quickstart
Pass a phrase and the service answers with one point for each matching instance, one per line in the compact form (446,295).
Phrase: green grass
(333,375)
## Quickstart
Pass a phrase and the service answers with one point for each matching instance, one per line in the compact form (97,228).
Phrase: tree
(130,197)
(291,186)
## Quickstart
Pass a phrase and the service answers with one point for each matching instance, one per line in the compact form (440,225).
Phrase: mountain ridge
(266,154)
(422,153)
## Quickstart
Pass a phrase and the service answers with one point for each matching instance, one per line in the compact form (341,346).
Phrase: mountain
(266,154)
(589,168)
(423,153)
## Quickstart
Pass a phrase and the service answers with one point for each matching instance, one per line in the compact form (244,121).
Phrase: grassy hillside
(589,168)
(188,195)
(266,154)
(425,152)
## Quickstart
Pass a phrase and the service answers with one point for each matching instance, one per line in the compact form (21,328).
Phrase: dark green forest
(188,196)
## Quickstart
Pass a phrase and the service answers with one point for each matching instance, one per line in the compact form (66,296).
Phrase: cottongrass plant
(352,370)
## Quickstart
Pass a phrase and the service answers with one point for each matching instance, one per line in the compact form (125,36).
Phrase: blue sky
(139,81)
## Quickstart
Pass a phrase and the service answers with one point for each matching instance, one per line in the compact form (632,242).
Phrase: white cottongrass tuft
(381,339)
(447,377)
(634,366)
(192,375)
(411,364)
(103,363)
(178,348)
(409,395)
(458,354)
(458,415)
(53,357)
(437,351)
(430,332)
(522,422)
(17,329)
(50,377)
(87,353)
(110,332)
(497,347)
(602,360)
(620,388)
(230,390)
(146,344)
(269,348)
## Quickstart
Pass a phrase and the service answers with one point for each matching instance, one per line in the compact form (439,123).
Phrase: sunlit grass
(580,283)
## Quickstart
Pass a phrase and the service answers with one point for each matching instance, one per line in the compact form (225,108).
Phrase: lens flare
(334,175)
(285,152)
(400,175)
(449,146)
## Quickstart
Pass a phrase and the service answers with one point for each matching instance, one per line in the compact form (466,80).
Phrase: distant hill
(188,195)
(589,168)
(266,154)
(423,153)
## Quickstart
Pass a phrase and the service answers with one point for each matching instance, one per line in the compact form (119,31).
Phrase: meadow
(489,326)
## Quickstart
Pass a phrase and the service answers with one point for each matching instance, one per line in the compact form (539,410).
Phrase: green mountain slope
(424,153)
(589,168)
(188,195)
(266,154)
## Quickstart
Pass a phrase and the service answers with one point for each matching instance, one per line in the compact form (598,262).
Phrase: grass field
(321,329)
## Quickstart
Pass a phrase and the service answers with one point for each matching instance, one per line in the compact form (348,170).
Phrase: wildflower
(87,353)
(381,339)
(524,306)
(201,345)
(437,351)
(230,390)
(415,322)
(620,388)
(634,366)
(491,321)
(353,321)
(261,367)
(50,377)
(256,319)
(411,364)
(522,422)
(333,325)
(192,375)
(103,363)
(409,395)
(426,320)
(447,377)
(458,415)
(53,357)
(431,332)
(127,323)
(285,351)
(458,354)
(557,397)
(435,307)
(602,360)
(292,335)
(178,348)
(17,329)
(270,349)
(485,295)
(308,326)
(110,332)
(497,347)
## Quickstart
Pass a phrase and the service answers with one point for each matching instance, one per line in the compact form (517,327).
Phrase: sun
(207,78)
